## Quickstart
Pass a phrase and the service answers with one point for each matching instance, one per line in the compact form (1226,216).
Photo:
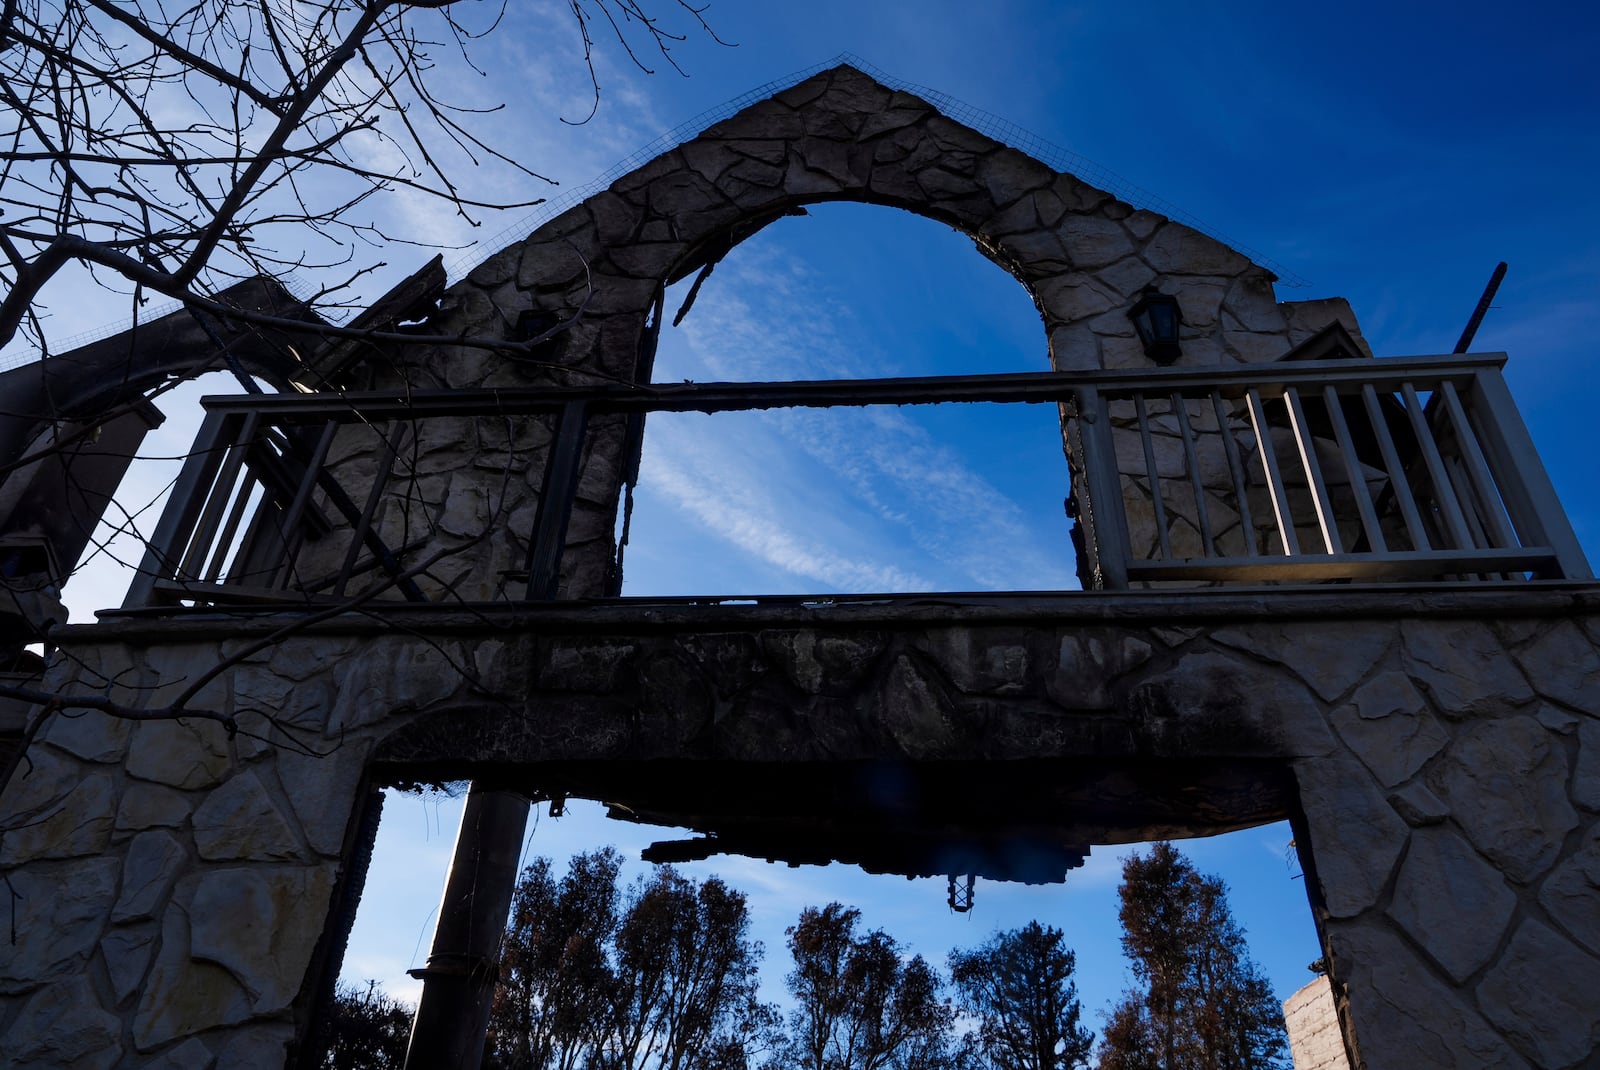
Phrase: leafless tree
(176,149)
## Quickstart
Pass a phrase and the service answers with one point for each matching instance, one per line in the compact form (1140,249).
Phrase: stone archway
(1391,720)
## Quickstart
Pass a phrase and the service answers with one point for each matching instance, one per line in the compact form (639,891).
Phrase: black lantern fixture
(1156,317)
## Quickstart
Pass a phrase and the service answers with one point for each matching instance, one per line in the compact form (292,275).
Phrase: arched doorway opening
(790,501)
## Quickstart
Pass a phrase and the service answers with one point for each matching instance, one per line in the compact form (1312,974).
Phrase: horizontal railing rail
(1315,471)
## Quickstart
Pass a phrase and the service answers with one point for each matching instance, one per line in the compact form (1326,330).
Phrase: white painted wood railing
(1312,471)
(1356,470)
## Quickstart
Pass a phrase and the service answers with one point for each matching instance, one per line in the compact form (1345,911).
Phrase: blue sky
(1389,154)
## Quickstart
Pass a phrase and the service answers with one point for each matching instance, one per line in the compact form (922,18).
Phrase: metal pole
(1483,307)
(458,981)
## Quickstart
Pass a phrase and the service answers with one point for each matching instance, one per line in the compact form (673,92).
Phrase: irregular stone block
(847,658)
(182,753)
(322,790)
(795,654)
(39,784)
(1093,242)
(1564,665)
(1463,667)
(1332,659)
(1419,806)
(73,827)
(1451,902)
(89,734)
(950,136)
(1076,196)
(1200,302)
(388,679)
(989,666)
(1212,704)
(1178,250)
(146,806)
(256,1045)
(1087,664)
(1022,216)
(1505,781)
(1252,306)
(1586,777)
(127,952)
(190,1055)
(1039,252)
(1142,224)
(918,713)
(64,1025)
(183,997)
(1542,995)
(1557,719)
(1128,276)
(1402,1016)
(1008,175)
(260,925)
(1389,726)
(1572,893)
(1355,838)
(1074,348)
(147,875)
(240,821)
(1075,296)
(61,910)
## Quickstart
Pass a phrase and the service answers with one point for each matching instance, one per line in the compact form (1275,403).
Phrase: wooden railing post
(1103,512)
(165,550)
(1525,486)
(556,493)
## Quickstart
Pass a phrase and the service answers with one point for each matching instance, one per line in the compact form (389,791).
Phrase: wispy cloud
(863,499)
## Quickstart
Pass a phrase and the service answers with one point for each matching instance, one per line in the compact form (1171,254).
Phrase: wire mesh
(984,122)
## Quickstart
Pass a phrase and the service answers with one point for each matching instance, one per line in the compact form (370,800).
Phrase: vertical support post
(555,501)
(1108,524)
(463,965)
(185,504)
(1524,484)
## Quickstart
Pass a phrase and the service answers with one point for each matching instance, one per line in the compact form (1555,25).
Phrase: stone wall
(1443,752)
(1312,1018)
(175,881)
(464,492)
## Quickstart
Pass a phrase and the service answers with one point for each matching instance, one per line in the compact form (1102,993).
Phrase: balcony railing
(1354,471)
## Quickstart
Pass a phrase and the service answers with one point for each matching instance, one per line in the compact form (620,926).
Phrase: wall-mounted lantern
(1156,317)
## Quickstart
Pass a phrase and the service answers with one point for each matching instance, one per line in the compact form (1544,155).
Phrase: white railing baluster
(1269,464)
(1404,497)
(1320,501)
(1191,458)
(1443,491)
(1155,477)
(1490,508)
(1525,486)
(1241,488)
(1353,468)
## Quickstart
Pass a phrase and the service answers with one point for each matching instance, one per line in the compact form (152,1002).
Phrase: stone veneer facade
(180,890)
